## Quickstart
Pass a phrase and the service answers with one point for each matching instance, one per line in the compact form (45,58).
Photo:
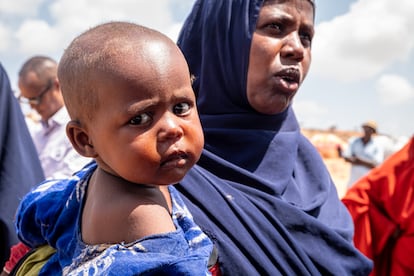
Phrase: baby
(128,92)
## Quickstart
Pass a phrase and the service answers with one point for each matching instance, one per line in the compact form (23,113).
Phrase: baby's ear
(79,138)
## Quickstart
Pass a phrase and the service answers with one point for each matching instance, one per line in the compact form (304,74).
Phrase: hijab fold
(20,167)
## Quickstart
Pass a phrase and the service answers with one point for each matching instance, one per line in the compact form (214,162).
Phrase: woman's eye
(181,108)
(140,119)
(306,39)
(275,27)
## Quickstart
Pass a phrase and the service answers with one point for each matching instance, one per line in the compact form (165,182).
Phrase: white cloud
(94,11)
(81,15)
(20,7)
(309,108)
(5,37)
(174,30)
(394,90)
(309,113)
(36,36)
(68,18)
(374,34)
(31,27)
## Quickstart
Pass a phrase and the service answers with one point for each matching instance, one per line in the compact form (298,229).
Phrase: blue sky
(363,52)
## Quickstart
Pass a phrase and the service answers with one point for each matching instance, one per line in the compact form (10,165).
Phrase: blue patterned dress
(51,214)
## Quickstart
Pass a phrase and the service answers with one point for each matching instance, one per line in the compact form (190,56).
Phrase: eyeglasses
(36,100)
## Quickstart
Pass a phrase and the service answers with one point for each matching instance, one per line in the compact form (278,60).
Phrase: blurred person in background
(364,153)
(40,88)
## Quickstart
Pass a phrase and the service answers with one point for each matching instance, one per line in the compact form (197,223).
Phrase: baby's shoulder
(123,218)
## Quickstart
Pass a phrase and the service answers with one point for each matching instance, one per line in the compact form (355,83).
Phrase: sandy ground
(327,143)
(339,170)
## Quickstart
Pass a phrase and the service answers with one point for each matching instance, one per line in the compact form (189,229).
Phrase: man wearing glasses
(39,88)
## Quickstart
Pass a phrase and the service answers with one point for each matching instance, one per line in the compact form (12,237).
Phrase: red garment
(16,253)
(382,207)
(215,270)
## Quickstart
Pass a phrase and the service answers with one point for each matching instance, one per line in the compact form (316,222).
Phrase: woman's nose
(293,47)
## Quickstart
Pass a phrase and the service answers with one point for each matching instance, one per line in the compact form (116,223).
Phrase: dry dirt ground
(327,143)
(339,170)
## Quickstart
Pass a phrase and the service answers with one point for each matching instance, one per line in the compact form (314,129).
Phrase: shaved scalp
(101,49)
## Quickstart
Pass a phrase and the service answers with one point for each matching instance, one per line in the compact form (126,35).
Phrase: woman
(261,190)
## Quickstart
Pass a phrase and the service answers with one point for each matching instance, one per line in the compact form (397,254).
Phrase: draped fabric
(260,189)
(381,204)
(19,165)
(52,213)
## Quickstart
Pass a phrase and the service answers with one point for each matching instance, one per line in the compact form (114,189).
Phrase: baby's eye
(140,119)
(181,108)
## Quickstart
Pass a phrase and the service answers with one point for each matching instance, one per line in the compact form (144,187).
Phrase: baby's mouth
(176,159)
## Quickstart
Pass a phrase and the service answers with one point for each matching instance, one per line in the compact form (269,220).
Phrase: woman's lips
(288,80)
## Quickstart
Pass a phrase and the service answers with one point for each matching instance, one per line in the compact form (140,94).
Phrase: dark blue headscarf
(20,167)
(260,189)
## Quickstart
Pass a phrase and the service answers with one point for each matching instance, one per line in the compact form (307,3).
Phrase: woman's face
(280,54)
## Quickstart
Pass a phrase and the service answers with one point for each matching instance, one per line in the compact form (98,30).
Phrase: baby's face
(146,129)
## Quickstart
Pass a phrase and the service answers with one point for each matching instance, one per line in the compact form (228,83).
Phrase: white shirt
(371,152)
(57,156)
